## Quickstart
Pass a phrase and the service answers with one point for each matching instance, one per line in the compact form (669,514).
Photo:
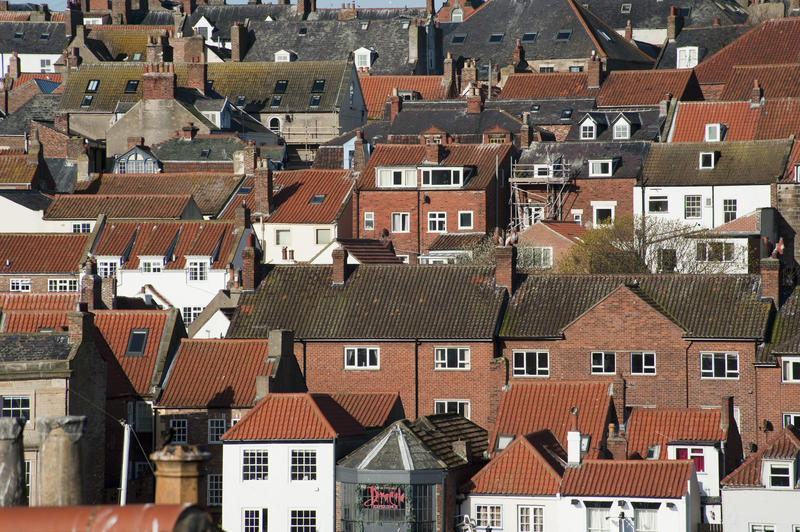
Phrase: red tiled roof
(114,329)
(779,119)
(772,42)
(14,16)
(785,446)
(130,27)
(628,478)
(549,85)
(744,224)
(27,76)
(42,252)
(740,119)
(208,373)
(194,238)
(377,90)
(15,170)
(570,230)
(294,416)
(520,469)
(293,190)
(31,321)
(533,406)
(369,409)
(85,206)
(659,426)
(40,302)
(642,87)
(481,156)
(776,81)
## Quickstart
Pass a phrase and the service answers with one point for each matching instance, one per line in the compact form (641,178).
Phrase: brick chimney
(80,324)
(348,12)
(135,141)
(304,7)
(249,158)
(433,153)
(395,104)
(239,40)
(474,103)
(663,105)
(519,52)
(726,413)
(716,19)
(628,31)
(13,66)
(178,473)
(262,189)
(339,267)
(154,53)
(469,74)
(771,279)
(674,22)
(158,82)
(242,216)
(756,94)
(3,96)
(196,75)
(91,286)
(449,75)
(73,17)
(616,444)
(34,148)
(594,72)
(188,6)
(189,131)
(505,267)
(120,10)
(525,131)
(249,264)
(358,151)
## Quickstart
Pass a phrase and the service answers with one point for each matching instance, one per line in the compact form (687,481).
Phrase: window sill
(451,369)
(361,369)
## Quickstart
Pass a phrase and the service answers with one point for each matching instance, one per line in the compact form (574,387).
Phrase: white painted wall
(278,494)
(30,62)
(707,480)
(748,198)
(215,327)
(677,519)
(510,509)
(654,36)
(173,285)
(302,239)
(15,218)
(776,507)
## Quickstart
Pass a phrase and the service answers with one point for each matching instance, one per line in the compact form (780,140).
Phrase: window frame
(588,130)
(790,369)
(542,257)
(367,366)
(686,57)
(282,232)
(369,221)
(19,284)
(621,123)
(18,410)
(772,475)
(441,358)
(492,518)
(687,198)
(471,219)
(703,162)
(600,163)
(729,210)
(254,464)
(92,85)
(180,434)
(303,465)
(62,285)
(405,222)
(437,222)
(254,522)
(522,370)
(600,369)
(82,227)
(644,366)
(713,355)
(197,270)
(214,490)
(658,200)
(535,520)
(129,353)
(713,132)
(790,417)
(317,236)
(309,518)
(107,269)
(446,403)
(215,432)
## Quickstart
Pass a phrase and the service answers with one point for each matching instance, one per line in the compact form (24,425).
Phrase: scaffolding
(538,192)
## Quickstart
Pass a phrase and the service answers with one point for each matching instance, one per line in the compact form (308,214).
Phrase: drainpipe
(358,215)
(691,342)
(416,377)
(419,227)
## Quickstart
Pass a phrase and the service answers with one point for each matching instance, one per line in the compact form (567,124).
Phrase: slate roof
(30,199)
(704,306)
(123,42)
(660,426)
(623,88)
(378,89)
(31,41)
(543,111)
(216,373)
(770,43)
(528,407)
(370,251)
(480,156)
(652,14)
(758,162)
(644,125)
(786,329)
(513,18)
(223,16)
(628,156)
(220,148)
(451,118)
(33,347)
(709,40)
(294,416)
(628,478)
(63,173)
(376,301)
(42,252)
(86,206)
(41,107)
(549,85)
(785,446)
(211,192)
(776,81)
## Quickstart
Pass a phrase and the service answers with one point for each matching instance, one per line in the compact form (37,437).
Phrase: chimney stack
(756,94)
(60,479)
(120,9)
(726,413)
(189,131)
(359,159)
(519,53)
(474,103)
(449,75)
(433,153)
(158,82)
(674,22)
(594,74)
(663,105)
(628,31)
(178,473)
(395,104)
(429,7)
(505,269)
(3,97)
(12,462)
(339,268)
(574,440)
(525,131)
(80,324)
(262,176)
(196,75)
(616,444)
(249,264)
(771,279)
(34,148)
(469,74)
(239,40)
(73,17)
(91,286)
(13,66)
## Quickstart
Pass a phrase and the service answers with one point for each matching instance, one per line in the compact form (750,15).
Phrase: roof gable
(785,445)
(660,426)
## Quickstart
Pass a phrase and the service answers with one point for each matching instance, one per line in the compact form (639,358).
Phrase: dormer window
(707,160)
(396,177)
(302,32)
(622,130)
(443,177)
(363,58)
(364,24)
(714,132)
(652,452)
(457,15)
(588,130)
(687,57)
(779,475)
(566,114)
(284,56)
(601,168)
(197,269)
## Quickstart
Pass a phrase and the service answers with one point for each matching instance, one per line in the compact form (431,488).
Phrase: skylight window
(280,86)
(302,32)
(604,34)
(19,35)
(625,9)
(205,153)
(131,86)
(405,25)
(92,85)
(44,36)
(318,86)
(528,37)
(459,38)
(365,25)
(317,199)
(496,37)
(87,100)
(566,114)
(535,107)
(315,98)
(563,35)
(240,101)
(243,191)
(137,56)
(136,342)
(276,100)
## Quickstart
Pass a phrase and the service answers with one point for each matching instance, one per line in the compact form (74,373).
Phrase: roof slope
(376,301)
(377,89)
(786,329)
(785,446)
(33,347)
(646,87)
(15,170)
(628,478)
(42,252)
(708,39)
(370,251)
(369,409)
(39,302)
(551,86)
(84,206)
(740,119)
(659,426)
(776,81)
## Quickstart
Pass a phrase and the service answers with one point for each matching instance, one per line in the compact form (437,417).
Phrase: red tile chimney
(505,269)
(196,75)
(262,189)
(474,103)
(395,103)
(674,22)
(771,279)
(339,268)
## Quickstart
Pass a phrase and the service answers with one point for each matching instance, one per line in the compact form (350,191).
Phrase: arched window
(456,15)
(275,124)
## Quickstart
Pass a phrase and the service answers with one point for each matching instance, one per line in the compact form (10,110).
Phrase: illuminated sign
(384,497)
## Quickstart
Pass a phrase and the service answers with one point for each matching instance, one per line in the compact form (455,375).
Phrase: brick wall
(774,399)
(38,282)
(54,144)
(540,236)
(599,189)
(22,95)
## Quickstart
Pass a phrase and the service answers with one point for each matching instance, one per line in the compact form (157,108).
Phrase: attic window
(87,100)
(19,35)
(652,450)
(136,343)
(459,38)
(566,114)
(713,132)
(528,37)
(496,37)
(318,86)
(44,36)
(622,130)
(315,98)
(240,101)
(243,191)
(302,32)
(316,199)
(280,86)
(92,85)
(137,56)
(205,153)
(405,25)
(625,9)
(563,35)
(131,86)
(604,34)
(365,25)
(535,107)
(276,100)
(707,160)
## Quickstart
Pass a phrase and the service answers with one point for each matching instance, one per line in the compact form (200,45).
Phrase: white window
(577,216)
(83,227)
(303,521)
(714,252)
(597,514)
(763,528)
(541,257)
(465,219)
(216,428)
(729,210)
(275,124)
(255,464)
(437,222)
(396,177)
(687,57)
(790,369)
(713,133)
(706,160)
(214,491)
(601,168)
(363,58)
(252,519)
(180,430)
(451,358)
(451,406)
(797,173)
(304,465)
(442,177)
(323,236)
(587,130)
(658,204)
(151,266)
(531,363)
(622,130)
(488,515)
(190,314)
(456,15)
(791,418)
(604,362)
(362,358)
(780,475)
(692,206)
(20,285)
(282,237)
(369,221)
(107,268)
(531,518)
(645,519)
(400,222)
(16,406)
(643,363)
(604,212)
(198,270)
(62,285)
(719,365)
(282,57)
